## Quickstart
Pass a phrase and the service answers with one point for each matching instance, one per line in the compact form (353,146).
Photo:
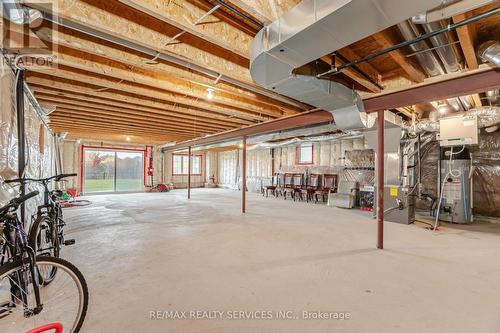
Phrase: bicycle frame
(17,242)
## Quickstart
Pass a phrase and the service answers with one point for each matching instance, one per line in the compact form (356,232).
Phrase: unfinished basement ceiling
(143,69)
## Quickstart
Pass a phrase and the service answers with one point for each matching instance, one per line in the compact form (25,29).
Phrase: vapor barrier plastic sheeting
(8,133)
(486,163)
(39,144)
(486,176)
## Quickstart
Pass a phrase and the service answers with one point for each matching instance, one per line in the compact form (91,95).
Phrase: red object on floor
(368,209)
(58,327)
(72,192)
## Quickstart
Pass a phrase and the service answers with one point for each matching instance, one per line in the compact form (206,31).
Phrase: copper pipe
(244,175)
(380,180)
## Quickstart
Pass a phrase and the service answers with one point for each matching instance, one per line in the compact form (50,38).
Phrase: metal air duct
(490,52)
(443,46)
(313,29)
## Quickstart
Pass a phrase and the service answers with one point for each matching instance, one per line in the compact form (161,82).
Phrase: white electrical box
(458,131)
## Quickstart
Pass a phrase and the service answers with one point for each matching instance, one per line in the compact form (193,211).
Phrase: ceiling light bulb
(210,93)
(442,107)
(127,138)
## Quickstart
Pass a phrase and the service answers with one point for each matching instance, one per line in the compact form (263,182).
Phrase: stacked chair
(329,186)
(295,185)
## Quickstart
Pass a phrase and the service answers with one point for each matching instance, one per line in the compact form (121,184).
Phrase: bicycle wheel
(65,299)
(43,240)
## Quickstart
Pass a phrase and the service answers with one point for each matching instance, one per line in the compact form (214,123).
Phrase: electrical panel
(458,131)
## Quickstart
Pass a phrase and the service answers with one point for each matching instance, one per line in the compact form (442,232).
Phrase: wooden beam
(121,111)
(467,36)
(69,126)
(71,102)
(73,59)
(89,45)
(103,82)
(93,115)
(366,67)
(114,19)
(111,138)
(229,17)
(87,110)
(185,17)
(73,123)
(183,78)
(384,42)
(353,75)
(145,104)
(265,11)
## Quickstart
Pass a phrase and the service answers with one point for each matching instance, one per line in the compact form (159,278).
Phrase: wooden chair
(280,184)
(329,185)
(311,187)
(288,185)
(298,185)
(272,187)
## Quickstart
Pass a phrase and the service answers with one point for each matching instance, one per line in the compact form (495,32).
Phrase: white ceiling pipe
(449,11)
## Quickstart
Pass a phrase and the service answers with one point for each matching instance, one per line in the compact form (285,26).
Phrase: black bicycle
(46,234)
(26,301)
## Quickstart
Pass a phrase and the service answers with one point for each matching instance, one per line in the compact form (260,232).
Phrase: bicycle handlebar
(57,178)
(19,200)
(14,203)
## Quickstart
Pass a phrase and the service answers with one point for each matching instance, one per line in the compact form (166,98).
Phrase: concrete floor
(159,252)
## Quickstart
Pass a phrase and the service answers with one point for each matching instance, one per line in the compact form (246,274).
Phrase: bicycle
(47,231)
(25,300)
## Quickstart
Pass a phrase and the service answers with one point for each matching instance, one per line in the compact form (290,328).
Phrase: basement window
(305,153)
(180,165)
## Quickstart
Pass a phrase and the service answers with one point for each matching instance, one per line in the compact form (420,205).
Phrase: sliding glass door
(107,170)
(129,171)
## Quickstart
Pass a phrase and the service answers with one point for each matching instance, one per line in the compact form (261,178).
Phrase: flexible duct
(490,51)
(493,96)
(428,62)
(446,51)
(312,29)
(486,116)
(316,138)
